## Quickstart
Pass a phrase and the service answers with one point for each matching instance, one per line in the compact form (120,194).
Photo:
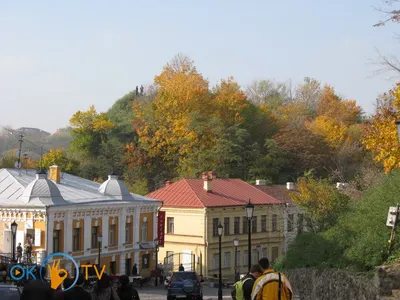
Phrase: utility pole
(21,136)
(41,156)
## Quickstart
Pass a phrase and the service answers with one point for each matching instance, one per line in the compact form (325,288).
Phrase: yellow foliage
(90,121)
(335,118)
(381,135)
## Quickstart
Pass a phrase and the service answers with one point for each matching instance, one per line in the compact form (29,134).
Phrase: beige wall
(269,241)
(188,235)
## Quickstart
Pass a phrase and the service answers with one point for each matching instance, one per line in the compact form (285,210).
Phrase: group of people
(263,283)
(28,252)
(141,90)
(103,290)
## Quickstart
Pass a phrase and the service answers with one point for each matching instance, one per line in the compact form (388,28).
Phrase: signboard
(391,219)
(161,228)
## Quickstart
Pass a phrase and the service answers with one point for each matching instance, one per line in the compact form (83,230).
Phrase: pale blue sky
(57,57)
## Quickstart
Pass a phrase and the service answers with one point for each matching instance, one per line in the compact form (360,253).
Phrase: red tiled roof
(189,193)
(279,192)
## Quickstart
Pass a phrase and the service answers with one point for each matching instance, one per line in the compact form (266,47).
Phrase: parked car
(9,292)
(184,285)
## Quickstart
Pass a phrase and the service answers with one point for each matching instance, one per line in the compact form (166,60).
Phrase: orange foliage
(381,135)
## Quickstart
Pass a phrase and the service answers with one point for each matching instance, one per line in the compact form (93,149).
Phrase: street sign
(391,219)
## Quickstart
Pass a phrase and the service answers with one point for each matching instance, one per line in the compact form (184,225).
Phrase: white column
(87,236)
(121,228)
(136,228)
(49,234)
(155,221)
(105,233)
(122,258)
(137,261)
(67,232)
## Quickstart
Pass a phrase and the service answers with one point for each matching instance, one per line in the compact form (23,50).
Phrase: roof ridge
(14,178)
(259,190)
(193,192)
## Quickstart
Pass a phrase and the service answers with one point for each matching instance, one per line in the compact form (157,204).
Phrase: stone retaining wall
(312,284)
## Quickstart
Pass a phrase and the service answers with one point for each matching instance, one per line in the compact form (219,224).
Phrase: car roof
(8,286)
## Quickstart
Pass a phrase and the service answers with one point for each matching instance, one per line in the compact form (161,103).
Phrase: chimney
(290,186)
(261,182)
(207,181)
(55,174)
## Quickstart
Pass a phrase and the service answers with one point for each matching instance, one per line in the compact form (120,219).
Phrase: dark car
(9,292)
(184,285)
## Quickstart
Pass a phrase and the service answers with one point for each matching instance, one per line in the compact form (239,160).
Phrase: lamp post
(236,244)
(99,240)
(220,262)
(156,266)
(14,232)
(249,214)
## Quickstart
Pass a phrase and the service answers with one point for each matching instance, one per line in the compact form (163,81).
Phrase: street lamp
(99,240)
(14,232)
(220,263)
(156,266)
(249,214)
(236,244)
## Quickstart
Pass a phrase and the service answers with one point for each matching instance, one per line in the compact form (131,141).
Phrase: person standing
(181,268)
(134,270)
(28,251)
(77,292)
(19,253)
(271,285)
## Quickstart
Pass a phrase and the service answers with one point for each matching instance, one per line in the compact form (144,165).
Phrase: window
(236,225)
(215,226)
(300,224)
(144,231)
(274,222)
(245,226)
(111,235)
(275,253)
(290,222)
(170,225)
(113,267)
(128,232)
(254,224)
(254,256)
(263,223)
(56,241)
(245,258)
(215,261)
(170,258)
(226,226)
(264,252)
(94,236)
(76,239)
(227,259)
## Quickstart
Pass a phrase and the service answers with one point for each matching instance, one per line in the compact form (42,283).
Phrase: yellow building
(64,213)
(195,207)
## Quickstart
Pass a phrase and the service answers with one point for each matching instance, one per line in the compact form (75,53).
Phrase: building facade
(195,207)
(293,216)
(64,213)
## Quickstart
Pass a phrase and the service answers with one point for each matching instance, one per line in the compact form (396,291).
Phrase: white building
(60,212)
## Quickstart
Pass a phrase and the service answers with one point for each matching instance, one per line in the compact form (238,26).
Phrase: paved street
(158,293)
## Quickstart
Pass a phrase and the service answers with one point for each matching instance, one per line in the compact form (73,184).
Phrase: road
(158,293)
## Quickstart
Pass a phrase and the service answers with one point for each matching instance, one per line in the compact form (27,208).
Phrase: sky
(58,57)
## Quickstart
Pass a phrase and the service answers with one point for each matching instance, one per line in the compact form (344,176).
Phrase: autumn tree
(381,136)
(60,158)
(269,93)
(89,129)
(321,200)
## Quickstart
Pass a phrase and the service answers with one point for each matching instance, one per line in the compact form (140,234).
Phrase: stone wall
(312,284)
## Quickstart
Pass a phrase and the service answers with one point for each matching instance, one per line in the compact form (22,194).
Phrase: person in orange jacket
(271,285)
